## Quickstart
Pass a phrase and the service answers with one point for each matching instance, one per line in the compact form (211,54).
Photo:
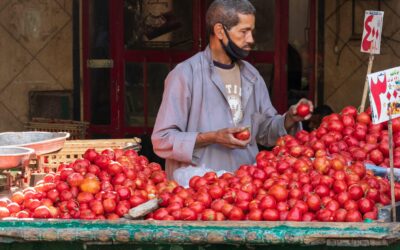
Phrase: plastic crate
(77,129)
(74,149)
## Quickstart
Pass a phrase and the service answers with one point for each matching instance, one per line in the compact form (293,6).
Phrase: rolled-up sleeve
(170,137)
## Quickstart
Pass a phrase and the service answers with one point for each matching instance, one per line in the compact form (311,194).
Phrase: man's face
(242,33)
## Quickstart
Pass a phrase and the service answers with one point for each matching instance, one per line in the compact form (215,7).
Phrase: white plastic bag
(183,175)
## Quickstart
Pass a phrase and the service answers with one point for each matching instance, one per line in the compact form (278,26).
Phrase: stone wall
(36,54)
(345,66)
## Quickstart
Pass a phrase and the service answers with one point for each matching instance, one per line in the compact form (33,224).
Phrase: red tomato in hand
(303,110)
(242,135)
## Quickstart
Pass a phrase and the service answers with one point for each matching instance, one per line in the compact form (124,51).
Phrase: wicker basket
(77,129)
(74,149)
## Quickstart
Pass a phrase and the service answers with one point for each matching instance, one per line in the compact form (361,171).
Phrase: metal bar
(281,44)
(145,94)
(312,49)
(196,26)
(85,56)
(117,78)
(320,59)
(76,60)
(202,21)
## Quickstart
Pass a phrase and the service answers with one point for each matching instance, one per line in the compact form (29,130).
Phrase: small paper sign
(384,94)
(371,38)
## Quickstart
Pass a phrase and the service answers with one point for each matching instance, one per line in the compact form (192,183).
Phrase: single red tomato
(255,214)
(313,202)
(349,110)
(242,135)
(236,214)
(160,213)
(340,215)
(365,205)
(41,212)
(208,215)
(303,109)
(353,216)
(370,215)
(355,192)
(270,214)
(188,214)
(280,193)
(294,214)
(309,216)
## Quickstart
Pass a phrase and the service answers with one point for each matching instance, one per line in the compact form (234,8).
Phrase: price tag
(384,91)
(371,38)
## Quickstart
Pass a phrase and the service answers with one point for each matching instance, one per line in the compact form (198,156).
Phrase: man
(215,94)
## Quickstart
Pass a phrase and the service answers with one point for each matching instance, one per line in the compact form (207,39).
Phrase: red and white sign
(371,38)
(384,94)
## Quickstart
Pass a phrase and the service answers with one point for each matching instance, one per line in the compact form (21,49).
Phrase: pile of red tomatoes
(312,176)
(100,186)
(316,176)
(348,134)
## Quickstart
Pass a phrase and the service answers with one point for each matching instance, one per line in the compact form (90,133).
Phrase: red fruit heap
(281,188)
(99,186)
(287,185)
(317,176)
(351,135)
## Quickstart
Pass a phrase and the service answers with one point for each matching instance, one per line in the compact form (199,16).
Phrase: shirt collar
(245,70)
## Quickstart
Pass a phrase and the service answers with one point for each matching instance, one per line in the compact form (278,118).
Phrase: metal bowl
(11,157)
(41,142)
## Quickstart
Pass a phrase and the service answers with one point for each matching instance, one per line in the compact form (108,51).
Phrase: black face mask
(233,51)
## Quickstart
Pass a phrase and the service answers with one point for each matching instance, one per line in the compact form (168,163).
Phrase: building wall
(345,67)
(36,54)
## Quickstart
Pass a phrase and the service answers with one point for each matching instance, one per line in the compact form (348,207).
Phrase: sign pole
(391,166)
(364,97)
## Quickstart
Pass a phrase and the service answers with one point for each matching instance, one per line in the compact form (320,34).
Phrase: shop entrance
(129,46)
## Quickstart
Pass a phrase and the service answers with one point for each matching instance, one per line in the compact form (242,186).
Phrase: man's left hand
(292,117)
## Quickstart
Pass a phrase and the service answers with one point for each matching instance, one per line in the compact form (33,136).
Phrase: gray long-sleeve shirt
(194,101)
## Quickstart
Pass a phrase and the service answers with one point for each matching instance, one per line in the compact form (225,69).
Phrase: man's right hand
(223,137)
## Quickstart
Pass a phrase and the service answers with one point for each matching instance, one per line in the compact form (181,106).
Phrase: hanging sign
(371,38)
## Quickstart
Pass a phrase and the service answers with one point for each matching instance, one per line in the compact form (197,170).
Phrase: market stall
(85,222)
(335,186)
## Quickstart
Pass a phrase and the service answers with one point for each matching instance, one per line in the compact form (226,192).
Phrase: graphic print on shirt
(230,76)
(234,95)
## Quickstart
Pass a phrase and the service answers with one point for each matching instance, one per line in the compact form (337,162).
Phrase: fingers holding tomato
(243,135)
(303,109)
(237,137)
